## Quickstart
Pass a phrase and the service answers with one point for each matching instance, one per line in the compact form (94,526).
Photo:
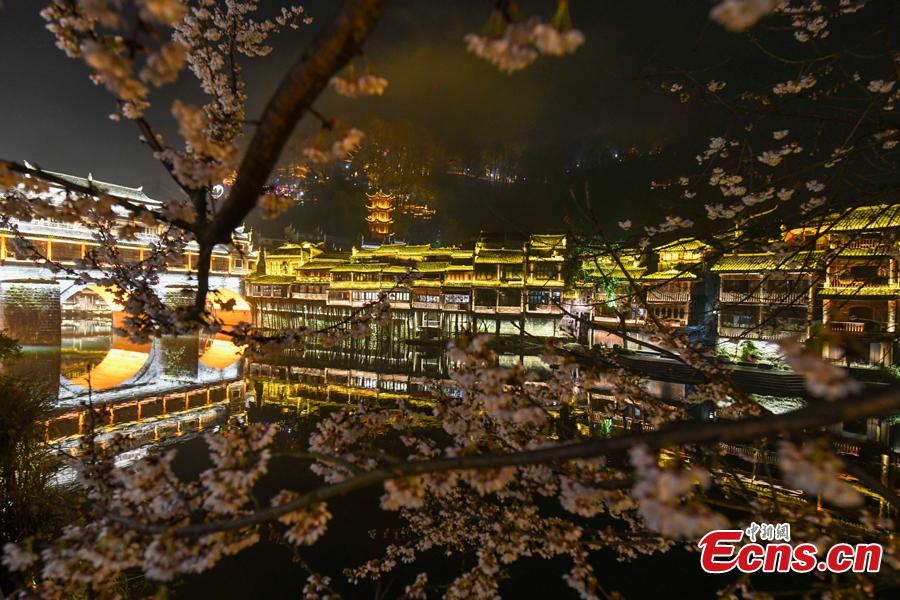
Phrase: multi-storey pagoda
(380,207)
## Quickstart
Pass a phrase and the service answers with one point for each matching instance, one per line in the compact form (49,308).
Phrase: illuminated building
(418,211)
(379,221)
(492,287)
(34,298)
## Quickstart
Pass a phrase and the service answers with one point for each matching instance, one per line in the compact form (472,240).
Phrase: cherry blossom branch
(91,190)
(678,434)
(328,52)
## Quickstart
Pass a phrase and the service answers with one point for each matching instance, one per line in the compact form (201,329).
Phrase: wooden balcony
(544,309)
(846,281)
(669,296)
(484,309)
(796,297)
(509,310)
(427,305)
(858,326)
(455,306)
(309,296)
(616,320)
(758,333)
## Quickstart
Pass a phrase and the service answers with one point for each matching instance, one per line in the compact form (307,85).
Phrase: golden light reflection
(220,354)
(117,367)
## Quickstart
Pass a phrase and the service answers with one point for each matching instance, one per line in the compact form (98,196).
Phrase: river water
(170,391)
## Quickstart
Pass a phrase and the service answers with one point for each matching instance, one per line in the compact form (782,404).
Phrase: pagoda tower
(380,207)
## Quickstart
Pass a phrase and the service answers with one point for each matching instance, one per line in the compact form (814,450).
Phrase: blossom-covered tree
(495,450)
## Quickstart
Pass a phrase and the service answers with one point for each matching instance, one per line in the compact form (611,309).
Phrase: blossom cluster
(513,44)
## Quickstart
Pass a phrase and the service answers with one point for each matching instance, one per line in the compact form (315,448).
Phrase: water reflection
(173,387)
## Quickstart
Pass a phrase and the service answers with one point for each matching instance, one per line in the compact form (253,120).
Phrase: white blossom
(740,15)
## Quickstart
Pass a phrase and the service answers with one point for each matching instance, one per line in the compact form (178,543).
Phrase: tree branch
(328,52)
(679,434)
(91,190)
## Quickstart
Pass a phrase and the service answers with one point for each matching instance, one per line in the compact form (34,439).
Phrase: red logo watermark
(720,552)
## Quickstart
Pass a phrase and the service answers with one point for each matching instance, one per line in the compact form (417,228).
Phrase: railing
(509,309)
(455,306)
(757,333)
(858,283)
(846,448)
(309,296)
(668,296)
(754,455)
(846,326)
(796,297)
(616,320)
(868,243)
(544,308)
(858,326)
(426,305)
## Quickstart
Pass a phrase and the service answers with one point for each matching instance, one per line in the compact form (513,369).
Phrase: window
(508,272)
(545,271)
(219,264)
(456,298)
(860,313)
(737,285)
(509,298)
(485,272)
(865,273)
(485,298)
(537,298)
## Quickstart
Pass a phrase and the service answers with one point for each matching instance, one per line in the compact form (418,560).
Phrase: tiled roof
(431,267)
(669,274)
(767,261)
(682,244)
(845,292)
(500,256)
(547,242)
(359,268)
(271,279)
(881,216)
(321,263)
(287,251)
(111,189)
(602,267)
(888,247)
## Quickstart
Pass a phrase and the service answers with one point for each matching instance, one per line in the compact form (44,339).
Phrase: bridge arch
(124,360)
(229,307)
(107,293)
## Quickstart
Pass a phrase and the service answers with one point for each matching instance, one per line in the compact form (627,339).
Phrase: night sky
(598,97)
